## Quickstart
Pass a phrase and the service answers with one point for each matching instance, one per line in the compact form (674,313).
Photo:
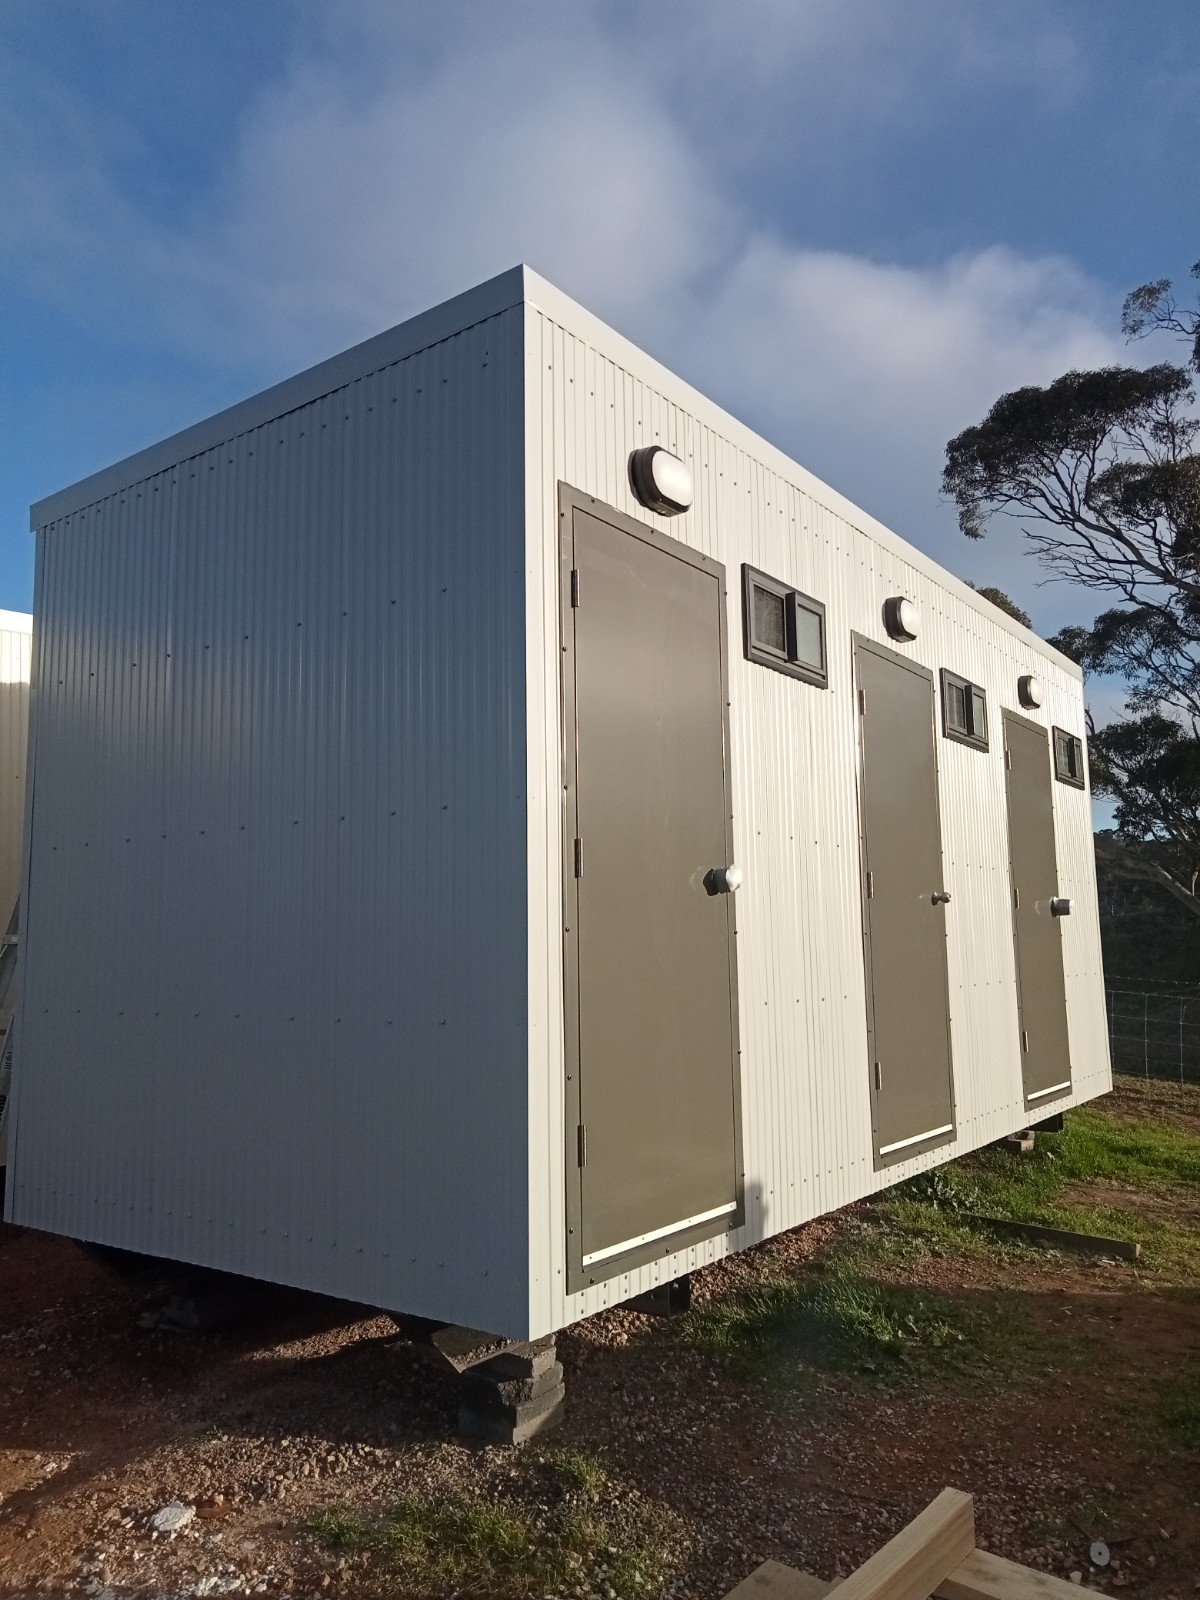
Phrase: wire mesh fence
(1156,1035)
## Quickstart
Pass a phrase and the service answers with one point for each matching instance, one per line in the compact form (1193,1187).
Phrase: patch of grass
(340,1527)
(1092,1146)
(1179,1410)
(838,1317)
(557,1531)
(933,1208)
(574,1473)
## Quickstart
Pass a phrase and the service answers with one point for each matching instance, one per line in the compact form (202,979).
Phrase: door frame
(859,641)
(579,1277)
(1045,1097)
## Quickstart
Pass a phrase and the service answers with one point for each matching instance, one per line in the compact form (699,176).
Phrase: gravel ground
(308,1404)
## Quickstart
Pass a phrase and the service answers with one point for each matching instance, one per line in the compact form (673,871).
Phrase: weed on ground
(1119,1164)
(1179,1410)
(557,1527)
(850,1312)
(835,1317)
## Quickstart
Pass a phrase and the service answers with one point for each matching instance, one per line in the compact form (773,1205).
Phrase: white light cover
(661,481)
(902,617)
(1029,691)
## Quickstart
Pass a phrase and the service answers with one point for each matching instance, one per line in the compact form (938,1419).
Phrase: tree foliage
(1101,471)
(1150,766)
(1153,309)
(1154,649)
(1004,603)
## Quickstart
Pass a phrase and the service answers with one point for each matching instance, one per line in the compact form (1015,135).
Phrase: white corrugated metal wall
(591,399)
(280,878)
(15,644)
(275,997)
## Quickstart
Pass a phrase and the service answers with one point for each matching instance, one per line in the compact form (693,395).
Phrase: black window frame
(974,741)
(1058,738)
(765,655)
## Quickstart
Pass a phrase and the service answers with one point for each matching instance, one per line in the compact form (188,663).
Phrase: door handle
(723,880)
(940,897)
(1060,906)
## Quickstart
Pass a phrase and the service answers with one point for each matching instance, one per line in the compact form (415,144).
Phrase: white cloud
(346,211)
(408,152)
(863,370)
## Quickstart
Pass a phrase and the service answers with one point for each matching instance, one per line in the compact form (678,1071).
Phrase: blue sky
(853,223)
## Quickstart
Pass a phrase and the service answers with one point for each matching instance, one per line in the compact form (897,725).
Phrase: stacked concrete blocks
(512,1396)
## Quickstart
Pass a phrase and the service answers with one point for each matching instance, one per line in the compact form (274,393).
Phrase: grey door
(904,918)
(1041,989)
(652,1048)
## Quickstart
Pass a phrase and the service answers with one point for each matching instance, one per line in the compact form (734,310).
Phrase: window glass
(964,711)
(956,705)
(1068,758)
(782,628)
(770,625)
(810,638)
(978,713)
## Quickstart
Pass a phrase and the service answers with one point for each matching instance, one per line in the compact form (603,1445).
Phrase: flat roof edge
(518,285)
(546,296)
(427,328)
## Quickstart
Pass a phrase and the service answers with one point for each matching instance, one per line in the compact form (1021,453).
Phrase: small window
(1068,758)
(964,711)
(784,629)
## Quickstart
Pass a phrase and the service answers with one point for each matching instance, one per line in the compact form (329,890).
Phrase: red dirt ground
(310,1403)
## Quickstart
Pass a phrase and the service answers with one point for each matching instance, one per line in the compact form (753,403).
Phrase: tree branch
(1126,863)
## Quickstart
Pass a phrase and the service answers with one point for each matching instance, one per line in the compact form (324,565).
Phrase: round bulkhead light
(661,481)
(902,618)
(1029,691)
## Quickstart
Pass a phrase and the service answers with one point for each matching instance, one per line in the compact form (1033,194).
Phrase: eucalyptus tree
(1100,472)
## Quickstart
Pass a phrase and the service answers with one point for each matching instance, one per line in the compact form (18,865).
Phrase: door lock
(1060,906)
(940,897)
(723,880)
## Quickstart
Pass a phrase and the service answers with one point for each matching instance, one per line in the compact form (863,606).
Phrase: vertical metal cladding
(591,398)
(293,980)
(15,652)
(274,992)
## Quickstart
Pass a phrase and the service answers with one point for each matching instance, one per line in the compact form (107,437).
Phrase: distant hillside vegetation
(1149,940)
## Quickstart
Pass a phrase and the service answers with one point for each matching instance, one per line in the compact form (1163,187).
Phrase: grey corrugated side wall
(274,997)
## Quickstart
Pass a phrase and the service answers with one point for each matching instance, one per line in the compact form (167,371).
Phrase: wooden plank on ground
(774,1581)
(983,1576)
(1088,1244)
(922,1555)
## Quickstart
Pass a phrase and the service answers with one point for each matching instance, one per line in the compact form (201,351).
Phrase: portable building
(16,631)
(504,836)
(15,638)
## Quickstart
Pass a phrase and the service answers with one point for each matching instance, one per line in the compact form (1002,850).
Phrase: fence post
(1145,1035)
(1122,1044)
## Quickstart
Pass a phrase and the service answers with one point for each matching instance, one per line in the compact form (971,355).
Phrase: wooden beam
(774,1581)
(1087,1244)
(922,1555)
(983,1576)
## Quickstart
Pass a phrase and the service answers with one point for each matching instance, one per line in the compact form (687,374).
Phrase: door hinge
(878,1078)
(575,586)
(862,702)
(579,858)
(1016,899)
(1025,1040)
(870,886)
(1007,759)
(582,1145)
